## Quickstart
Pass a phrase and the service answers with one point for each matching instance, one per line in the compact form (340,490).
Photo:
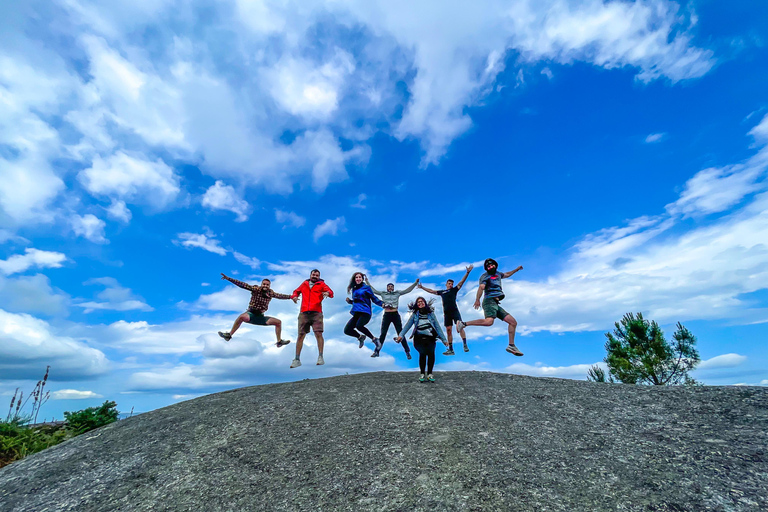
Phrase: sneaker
(283,343)
(361,339)
(460,325)
(320,359)
(225,335)
(514,350)
(422,378)
(375,353)
(466,347)
(408,355)
(295,363)
(449,352)
(430,378)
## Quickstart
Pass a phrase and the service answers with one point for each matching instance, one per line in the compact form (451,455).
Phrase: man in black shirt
(451,312)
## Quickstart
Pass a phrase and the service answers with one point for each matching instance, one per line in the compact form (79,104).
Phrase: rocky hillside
(382,441)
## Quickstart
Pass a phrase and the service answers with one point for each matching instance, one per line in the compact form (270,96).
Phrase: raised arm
(241,284)
(428,290)
(461,283)
(505,275)
(410,288)
(374,290)
(374,298)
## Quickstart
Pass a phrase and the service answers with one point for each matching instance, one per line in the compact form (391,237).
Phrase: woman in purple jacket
(362,296)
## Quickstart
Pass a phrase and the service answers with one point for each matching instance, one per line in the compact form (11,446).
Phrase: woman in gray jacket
(426,330)
(391,300)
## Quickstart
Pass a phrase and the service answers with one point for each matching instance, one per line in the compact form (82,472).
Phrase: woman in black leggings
(426,330)
(362,296)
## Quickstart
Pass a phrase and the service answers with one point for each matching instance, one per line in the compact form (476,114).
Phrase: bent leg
(485,322)
(238,322)
(349,329)
(363,319)
(512,327)
(278,327)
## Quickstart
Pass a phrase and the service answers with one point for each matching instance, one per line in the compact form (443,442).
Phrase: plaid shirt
(259,302)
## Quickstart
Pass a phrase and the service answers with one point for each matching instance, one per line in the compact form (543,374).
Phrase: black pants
(389,318)
(425,345)
(358,322)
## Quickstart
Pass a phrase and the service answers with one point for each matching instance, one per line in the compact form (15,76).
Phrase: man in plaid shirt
(260,297)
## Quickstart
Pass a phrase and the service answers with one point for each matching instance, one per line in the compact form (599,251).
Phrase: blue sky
(617,150)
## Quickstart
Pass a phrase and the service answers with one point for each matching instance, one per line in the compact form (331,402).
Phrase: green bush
(93,417)
(18,440)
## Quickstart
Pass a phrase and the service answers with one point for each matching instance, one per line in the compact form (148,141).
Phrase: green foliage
(638,353)
(597,374)
(18,440)
(93,417)
(40,397)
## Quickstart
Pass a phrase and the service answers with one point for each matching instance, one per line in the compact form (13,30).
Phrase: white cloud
(28,344)
(575,371)
(359,203)
(246,260)
(223,197)
(289,219)
(32,294)
(132,179)
(74,394)
(654,137)
(114,297)
(330,227)
(31,258)
(207,242)
(119,211)
(722,361)
(89,227)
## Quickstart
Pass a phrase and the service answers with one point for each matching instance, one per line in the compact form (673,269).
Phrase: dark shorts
(257,318)
(492,309)
(449,317)
(309,319)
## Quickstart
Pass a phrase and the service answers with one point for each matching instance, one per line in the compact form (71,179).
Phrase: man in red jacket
(312,292)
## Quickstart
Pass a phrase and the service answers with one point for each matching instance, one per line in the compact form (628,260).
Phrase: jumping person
(362,296)
(425,333)
(312,292)
(490,283)
(391,300)
(260,297)
(451,311)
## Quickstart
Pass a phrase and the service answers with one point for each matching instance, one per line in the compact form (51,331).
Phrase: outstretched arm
(461,283)
(433,292)
(480,290)
(505,275)
(410,288)
(375,299)
(283,296)
(241,284)
(374,290)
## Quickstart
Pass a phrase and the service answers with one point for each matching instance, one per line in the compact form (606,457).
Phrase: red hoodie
(312,298)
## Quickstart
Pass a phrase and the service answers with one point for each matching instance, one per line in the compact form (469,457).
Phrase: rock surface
(382,441)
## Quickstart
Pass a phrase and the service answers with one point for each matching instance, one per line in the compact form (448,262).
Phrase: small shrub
(17,440)
(93,417)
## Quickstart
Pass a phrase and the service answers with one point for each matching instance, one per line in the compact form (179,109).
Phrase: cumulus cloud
(131,178)
(32,258)
(119,211)
(223,197)
(207,242)
(32,294)
(289,219)
(28,344)
(89,227)
(330,227)
(114,297)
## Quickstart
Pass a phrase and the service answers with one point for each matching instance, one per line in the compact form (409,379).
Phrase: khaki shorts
(492,309)
(309,319)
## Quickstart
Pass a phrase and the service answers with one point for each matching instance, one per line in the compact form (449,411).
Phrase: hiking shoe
(460,325)
(282,343)
(514,350)
(375,353)
(408,355)
(422,378)
(449,352)
(430,378)
(320,359)
(295,363)
(361,339)
(225,335)
(466,347)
